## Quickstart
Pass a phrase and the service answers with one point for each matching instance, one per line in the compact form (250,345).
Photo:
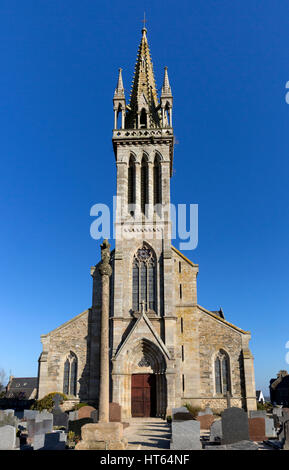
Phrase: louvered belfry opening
(157,181)
(144,184)
(131,181)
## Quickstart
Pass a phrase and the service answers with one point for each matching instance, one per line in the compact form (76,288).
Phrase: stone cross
(57,400)
(105,272)
(144,20)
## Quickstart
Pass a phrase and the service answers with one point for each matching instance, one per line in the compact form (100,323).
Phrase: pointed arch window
(222,373)
(144,184)
(144,280)
(131,182)
(157,181)
(70,375)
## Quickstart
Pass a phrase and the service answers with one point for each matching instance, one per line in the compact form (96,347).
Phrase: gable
(143,329)
(220,320)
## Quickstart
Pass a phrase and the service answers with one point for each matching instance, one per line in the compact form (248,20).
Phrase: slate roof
(220,313)
(21,385)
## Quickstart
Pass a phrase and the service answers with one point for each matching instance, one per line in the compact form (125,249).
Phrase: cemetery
(187,429)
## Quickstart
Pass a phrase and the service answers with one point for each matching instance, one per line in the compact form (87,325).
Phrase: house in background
(279,389)
(259,396)
(23,388)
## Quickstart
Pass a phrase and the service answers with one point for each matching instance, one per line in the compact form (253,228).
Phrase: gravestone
(38,427)
(257,414)
(8,419)
(241,445)
(281,430)
(76,425)
(9,412)
(60,418)
(216,431)
(19,414)
(235,426)
(185,435)
(50,441)
(30,414)
(276,420)
(85,412)
(7,438)
(55,440)
(44,415)
(206,421)
(207,411)
(114,412)
(181,414)
(277,411)
(286,442)
(94,416)
(73,415)
(257,429)
(269,427)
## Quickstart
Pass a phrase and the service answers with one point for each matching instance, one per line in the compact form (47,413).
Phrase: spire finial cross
(144,20)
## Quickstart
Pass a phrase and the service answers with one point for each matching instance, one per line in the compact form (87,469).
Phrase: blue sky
(228,64)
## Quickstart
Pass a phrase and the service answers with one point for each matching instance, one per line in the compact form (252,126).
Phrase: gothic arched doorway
(140,369)
(148,380)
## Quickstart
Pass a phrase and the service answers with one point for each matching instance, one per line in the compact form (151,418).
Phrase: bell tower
(143,271)
(143,143)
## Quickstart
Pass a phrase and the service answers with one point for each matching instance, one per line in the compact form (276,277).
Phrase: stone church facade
(165,349)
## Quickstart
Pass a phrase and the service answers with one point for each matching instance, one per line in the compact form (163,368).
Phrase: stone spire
(143,106)
(119,91)
(166,89)
(166,101)
(119,101)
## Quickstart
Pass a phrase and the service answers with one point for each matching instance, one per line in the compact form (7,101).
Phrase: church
(165,349)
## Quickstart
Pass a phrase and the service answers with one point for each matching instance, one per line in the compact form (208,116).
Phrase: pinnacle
(119,88)
(166,89)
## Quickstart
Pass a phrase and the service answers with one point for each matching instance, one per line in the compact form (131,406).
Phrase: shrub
(79,405)
(193,409)
(46,403)
(71,435)
(216,412)
(265,406)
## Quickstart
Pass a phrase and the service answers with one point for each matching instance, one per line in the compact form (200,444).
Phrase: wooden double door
(143,395)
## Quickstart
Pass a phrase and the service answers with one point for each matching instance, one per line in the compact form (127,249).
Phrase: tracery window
(70,375)
(222,373)
(144,279)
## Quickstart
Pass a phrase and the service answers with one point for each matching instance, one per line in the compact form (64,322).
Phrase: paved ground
(151,433)
(155,433)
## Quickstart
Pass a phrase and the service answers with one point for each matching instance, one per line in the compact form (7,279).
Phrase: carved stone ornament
(105,268)
(144,362)
(144,253)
